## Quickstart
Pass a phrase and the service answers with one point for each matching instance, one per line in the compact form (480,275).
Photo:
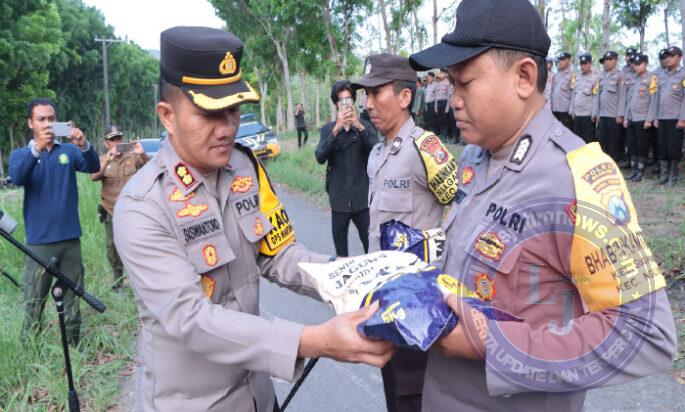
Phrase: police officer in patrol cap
(411,177)
(525,180)
(562,90)
(196,227)
(582,100)
(606,104)
(667,111)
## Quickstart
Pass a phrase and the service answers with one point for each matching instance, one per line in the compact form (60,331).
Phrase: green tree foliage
(633,14)
(47,49)
(30,34)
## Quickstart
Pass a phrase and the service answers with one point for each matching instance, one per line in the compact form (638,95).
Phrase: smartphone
(61,129)
(343,104)
(125,147)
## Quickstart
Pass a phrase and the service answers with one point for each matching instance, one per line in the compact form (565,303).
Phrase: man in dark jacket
(345,144)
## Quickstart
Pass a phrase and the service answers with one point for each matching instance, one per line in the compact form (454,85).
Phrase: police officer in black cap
(605,110)
(583,98)
(520,155)
(562,90)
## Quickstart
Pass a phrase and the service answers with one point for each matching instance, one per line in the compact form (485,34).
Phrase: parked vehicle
(259,138)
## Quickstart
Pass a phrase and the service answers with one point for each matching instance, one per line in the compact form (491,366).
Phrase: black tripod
(58,294)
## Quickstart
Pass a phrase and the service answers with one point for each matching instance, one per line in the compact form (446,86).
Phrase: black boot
(640,172)
(663,166)
(655,168)
(673,174)
(633,170)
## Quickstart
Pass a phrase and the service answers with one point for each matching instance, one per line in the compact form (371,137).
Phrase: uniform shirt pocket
(612,86)
(129,166)
(397,205)
(675,87)
(210,253)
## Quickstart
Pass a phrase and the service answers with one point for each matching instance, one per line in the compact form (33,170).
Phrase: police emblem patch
(485,286)
(207,284)
(490,246)
(616,207)
(241,184)
(258,227)
(184,175)
(210,256)
(63,159)
(177,196)
(434,147)
(228,64)
(521,150)
(191,210)
(467,175)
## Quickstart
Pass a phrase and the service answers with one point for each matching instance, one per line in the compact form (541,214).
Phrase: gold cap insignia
(228,64)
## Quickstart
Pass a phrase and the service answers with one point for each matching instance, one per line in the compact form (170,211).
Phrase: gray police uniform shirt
(606,101)
(561,91)
(192,253)
(509,238)
(627,82)
(548,85)
(639,97)
(668,102)
(583,98)
(398,186)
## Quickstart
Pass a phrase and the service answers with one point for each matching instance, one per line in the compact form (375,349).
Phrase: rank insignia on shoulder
(209,253)
(490,246)
(184,175)
(467,175)
(485,286)
(521,150)
(207,284)
(191,210)
(258,227)
(242,184)
(177,196)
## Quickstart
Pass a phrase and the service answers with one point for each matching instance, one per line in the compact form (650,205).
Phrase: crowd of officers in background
(637,115)
(431,107)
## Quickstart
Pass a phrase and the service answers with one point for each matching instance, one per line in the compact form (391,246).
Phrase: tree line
(294,51)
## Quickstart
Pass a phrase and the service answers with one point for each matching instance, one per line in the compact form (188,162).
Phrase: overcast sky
(143,20)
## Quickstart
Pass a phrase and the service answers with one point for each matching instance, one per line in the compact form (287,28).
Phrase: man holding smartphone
(46,168)
(120,162)
(345,144)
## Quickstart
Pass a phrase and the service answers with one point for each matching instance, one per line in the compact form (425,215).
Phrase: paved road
(337,387)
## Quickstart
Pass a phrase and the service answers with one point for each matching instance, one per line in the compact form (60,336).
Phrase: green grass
(32,375)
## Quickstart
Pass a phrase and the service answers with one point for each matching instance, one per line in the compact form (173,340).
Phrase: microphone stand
(58,294)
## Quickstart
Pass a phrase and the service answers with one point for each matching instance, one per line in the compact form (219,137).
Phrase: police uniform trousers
(638,142)
(652,133)
(441,118)
(112,254)
(340,223)
(430,117)
(565,119)
(670,140)
(37,285)
(584,128)
(609,137)
(403,378)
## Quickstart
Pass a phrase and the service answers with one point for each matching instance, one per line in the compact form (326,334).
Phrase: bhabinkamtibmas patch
(611,264)
(282,233)
(441,167)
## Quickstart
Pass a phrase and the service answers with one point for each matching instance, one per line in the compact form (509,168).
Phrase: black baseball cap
(485,24)
(585,58)
(639,58)
(674,51)
(384,68)
(563,56)
(630,51)
(608,56)
(205,63)
(663,53)
(112,131)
